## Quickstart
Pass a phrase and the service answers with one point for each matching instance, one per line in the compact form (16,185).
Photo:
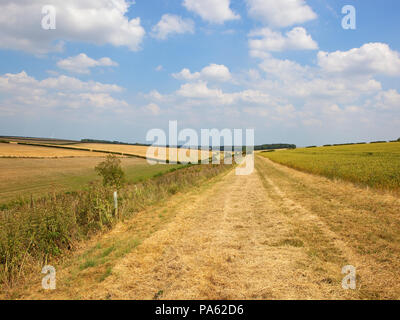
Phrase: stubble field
(13,150)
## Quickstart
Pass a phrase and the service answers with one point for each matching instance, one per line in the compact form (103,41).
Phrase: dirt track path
(268,235)
(224,245)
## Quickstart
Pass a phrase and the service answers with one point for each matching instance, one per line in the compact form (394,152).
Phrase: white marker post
(115,203)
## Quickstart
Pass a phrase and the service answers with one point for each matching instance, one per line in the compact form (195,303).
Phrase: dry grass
(25,151)
(232,241)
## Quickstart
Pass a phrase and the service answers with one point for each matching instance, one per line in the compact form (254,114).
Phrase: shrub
(111,171)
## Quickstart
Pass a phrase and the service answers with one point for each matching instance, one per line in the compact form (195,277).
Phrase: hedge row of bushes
(351,143)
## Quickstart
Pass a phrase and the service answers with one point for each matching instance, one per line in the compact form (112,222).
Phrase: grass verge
(36,233)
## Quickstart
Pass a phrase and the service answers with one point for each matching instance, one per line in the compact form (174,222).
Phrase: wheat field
(375,165)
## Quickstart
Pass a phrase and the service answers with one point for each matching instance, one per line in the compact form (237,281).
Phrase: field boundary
(158,161)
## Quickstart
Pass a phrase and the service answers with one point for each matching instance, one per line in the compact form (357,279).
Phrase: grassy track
(374,165)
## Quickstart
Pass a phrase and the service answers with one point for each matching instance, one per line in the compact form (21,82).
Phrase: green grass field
(21,178)
(376,165)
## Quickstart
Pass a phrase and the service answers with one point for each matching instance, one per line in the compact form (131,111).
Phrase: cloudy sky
(114,69)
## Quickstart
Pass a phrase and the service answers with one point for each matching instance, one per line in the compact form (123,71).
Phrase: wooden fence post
(115,203)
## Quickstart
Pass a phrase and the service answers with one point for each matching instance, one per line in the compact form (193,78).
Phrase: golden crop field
(137,150)
(29,151)
(131,149)
(376,165)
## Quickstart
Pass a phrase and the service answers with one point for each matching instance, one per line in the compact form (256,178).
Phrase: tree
(398,139)
(111,171)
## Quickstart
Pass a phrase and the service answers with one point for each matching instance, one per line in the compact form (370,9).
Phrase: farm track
(275,234)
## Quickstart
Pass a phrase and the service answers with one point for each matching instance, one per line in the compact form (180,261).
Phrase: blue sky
(114,69)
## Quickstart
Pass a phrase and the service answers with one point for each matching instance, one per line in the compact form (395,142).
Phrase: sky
(115,69)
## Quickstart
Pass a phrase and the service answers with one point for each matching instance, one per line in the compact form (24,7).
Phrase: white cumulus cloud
(280,13)
(387,100)
(213,11)
(198,90)
(282,69)
(27,94)
(152,109)
(172,24)
(99,22)
(213,71)
(265,40)
(82,63)
(371,58)
(215,96)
